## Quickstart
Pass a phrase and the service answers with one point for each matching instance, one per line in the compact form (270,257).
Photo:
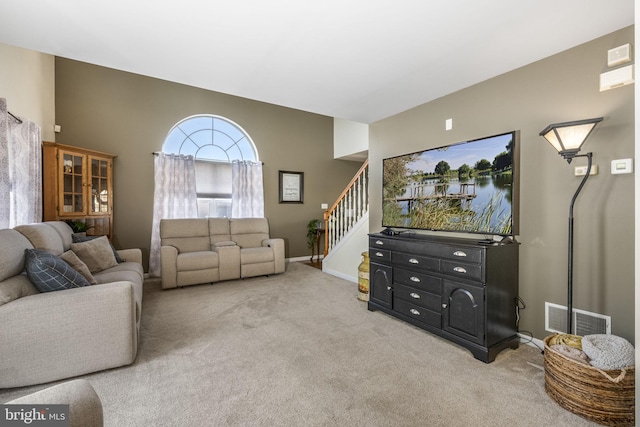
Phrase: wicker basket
(606,397)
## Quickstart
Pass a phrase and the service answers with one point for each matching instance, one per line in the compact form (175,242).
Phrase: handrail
(350,206)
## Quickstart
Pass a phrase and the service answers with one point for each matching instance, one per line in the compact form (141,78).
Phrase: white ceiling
(361,60)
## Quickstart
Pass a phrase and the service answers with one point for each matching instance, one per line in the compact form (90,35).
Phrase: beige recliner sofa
(207,250)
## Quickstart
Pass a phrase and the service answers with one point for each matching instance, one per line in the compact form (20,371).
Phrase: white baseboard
(343,276)
(303,258)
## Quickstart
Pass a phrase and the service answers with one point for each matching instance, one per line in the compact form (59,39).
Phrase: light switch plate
(621,166)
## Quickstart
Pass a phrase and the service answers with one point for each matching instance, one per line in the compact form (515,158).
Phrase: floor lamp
(567,138)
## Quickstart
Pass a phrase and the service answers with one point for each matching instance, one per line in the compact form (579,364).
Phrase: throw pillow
(96,253)
(16,287)
(72,259)
(77,238)
(48,272)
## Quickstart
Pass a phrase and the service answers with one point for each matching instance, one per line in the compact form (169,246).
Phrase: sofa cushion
(256,255)
(16,287)
(79,238)
(43,236)
(72,259)
(96,253)
(249,232)
(219,230)
(12,246)
(187,235)
(197,261)
(64,231)
(48,272)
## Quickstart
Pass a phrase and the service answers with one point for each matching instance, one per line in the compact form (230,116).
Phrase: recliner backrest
(219,230)
(187,235)
(249,232)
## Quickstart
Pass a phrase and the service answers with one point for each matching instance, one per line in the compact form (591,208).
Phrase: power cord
(520,305)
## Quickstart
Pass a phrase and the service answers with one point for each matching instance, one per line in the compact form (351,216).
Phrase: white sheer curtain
(20,170)
(247,193)
(174,197)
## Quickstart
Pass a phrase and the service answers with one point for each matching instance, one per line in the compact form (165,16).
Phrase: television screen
(467,187)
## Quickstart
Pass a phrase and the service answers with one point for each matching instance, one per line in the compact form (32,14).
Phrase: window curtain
(20,170)
(174,197)
(247,193)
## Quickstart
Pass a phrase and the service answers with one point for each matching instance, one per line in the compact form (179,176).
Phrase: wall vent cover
(584,322)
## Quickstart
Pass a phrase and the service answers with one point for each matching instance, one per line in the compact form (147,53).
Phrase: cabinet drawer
(421,281)
(461,269)
(379,255)
(415,261)
(380,242)
(461,253)
(418,297)
(419,313)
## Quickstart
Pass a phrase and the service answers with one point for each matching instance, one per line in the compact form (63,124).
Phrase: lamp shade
(568,137)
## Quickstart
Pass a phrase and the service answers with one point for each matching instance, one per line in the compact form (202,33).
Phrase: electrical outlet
(582,170)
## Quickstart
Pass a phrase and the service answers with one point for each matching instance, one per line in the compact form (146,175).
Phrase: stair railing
(350,206)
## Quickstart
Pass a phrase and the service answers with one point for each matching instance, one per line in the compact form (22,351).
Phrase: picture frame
(290,187)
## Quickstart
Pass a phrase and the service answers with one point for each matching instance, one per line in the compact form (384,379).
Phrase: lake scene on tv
(465,187)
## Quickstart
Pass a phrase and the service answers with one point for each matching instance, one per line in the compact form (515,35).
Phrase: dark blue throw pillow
(80,238)
(48,272)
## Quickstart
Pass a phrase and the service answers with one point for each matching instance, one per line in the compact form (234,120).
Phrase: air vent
(584,322)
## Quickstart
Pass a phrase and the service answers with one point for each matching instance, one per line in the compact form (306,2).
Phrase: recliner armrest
(169,266)
(277,245)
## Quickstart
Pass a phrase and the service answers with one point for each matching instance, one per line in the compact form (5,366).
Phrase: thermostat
(621,166)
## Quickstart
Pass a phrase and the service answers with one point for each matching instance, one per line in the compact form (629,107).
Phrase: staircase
(347,224)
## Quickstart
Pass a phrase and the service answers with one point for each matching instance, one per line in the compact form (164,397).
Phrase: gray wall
(559,88)
(130,115)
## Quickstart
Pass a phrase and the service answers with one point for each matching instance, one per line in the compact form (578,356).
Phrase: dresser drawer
(414,262)
(461,269)
(421,281)
(379,255)
(418,297)
(461,253)
(419,313)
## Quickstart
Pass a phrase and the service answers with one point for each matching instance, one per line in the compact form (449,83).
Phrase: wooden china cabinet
(78,185)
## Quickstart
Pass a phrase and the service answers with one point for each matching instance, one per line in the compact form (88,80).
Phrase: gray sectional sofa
(207,250)
(48,336)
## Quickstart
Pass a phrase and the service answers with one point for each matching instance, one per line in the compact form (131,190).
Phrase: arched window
(214,142)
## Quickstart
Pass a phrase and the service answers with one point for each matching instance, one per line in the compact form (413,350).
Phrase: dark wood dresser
(459,289)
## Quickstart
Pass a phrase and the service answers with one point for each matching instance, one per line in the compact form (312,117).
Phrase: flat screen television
(468,187)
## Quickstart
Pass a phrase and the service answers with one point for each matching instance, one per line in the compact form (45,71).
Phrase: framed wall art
(291,187)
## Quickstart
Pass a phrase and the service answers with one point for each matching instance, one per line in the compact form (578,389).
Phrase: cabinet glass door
(100,191)
(72,184)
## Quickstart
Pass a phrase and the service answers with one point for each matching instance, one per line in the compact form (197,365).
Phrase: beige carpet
(299,349)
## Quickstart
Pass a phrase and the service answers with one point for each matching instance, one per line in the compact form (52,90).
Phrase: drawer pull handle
(459,269)
(414,261)
(414,311)
(388,288)
(379,254)
(414,295)
(444,305)
(415,279)
(379,242)
(459,253)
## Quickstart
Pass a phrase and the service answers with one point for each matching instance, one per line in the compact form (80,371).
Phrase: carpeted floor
(300,349)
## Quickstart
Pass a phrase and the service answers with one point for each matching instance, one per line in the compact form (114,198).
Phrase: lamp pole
(570,278)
